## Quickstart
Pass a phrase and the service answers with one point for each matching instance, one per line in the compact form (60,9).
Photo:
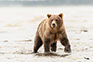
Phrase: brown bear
(49,31)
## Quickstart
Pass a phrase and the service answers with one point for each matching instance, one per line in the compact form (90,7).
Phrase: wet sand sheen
(18,27)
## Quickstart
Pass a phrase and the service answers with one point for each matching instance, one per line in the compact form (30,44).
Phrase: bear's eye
(56,20)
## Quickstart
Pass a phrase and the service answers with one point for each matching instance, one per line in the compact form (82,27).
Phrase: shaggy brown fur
(49,31)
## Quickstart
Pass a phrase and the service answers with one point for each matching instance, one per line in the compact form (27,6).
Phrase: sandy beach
(19,24)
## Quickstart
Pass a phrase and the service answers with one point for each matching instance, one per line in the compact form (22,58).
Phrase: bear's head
(55,21)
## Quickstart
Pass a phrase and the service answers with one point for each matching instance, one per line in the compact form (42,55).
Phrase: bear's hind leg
(53,46)
(37,43)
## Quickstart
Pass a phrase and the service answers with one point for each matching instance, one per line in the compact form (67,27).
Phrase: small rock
(84,30)
(86,58)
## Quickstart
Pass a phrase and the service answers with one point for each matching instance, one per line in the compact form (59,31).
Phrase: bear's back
(42,28)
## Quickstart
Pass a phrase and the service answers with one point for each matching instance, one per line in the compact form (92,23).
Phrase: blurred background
(19,18)
(44,2)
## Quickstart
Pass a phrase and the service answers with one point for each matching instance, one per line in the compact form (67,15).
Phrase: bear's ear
(48,15)
(61,15)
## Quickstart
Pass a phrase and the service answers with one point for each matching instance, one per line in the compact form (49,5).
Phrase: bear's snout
(53,25)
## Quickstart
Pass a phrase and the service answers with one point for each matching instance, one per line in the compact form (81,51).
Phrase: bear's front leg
(53,46)
(65,42)
(47,45)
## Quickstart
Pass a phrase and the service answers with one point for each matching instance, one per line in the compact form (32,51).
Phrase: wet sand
(19,24)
